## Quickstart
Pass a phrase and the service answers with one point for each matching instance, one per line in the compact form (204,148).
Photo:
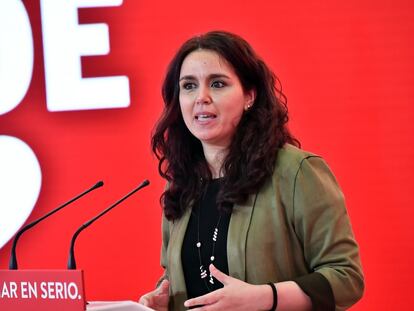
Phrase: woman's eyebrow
(187,77)
(218,75)
(211,76)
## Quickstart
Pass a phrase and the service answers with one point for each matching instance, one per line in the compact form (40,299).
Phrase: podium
(51,290)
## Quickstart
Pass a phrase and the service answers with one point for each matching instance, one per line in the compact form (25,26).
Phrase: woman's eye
(218,84)
(188,86)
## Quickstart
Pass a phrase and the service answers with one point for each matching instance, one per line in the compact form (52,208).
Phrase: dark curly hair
(262,130)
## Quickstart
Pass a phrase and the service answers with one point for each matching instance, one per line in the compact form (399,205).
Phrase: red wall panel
(347,69)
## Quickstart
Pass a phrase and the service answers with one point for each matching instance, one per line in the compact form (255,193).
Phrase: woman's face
(212,99)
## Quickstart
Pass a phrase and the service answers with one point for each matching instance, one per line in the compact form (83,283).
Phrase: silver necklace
(203,272)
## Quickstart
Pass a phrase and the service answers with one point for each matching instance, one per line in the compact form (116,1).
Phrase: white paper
(126,305)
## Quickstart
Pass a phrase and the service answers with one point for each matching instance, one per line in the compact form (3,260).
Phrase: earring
(248,107)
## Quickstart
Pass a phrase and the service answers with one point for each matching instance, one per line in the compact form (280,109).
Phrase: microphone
(71,260)
(13,258)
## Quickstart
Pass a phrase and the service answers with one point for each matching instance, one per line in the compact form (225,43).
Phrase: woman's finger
(220,276)
(206,299)
(164,287)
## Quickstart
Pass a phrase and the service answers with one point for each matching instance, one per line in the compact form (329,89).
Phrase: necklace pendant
(198,244)
(212,258)
(203,273)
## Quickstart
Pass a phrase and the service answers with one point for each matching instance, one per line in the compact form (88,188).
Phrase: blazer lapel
(176,242)
(237,237)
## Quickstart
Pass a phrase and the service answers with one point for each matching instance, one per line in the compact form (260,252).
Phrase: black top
(315,285)
(208,215)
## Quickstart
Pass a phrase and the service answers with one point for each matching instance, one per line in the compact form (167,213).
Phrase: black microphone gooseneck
(71,260)
(13,258)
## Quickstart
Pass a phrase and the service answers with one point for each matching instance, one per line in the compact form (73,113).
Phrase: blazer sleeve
(164,246)
(322,224)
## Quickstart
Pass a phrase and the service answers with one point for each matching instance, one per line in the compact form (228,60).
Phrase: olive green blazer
(295,225)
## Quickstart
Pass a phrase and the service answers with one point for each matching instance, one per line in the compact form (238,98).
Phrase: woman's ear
(250,97)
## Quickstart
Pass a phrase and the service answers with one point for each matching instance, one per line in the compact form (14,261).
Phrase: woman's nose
(203,96)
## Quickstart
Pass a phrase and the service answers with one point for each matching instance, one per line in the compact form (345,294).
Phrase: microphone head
(98,184)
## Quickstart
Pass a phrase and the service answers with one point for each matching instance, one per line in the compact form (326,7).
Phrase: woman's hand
(158,298)
(235,295)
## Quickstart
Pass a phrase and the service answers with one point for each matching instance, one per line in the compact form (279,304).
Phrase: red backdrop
(347,69)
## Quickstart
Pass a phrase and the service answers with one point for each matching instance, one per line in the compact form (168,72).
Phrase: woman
(251,222)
